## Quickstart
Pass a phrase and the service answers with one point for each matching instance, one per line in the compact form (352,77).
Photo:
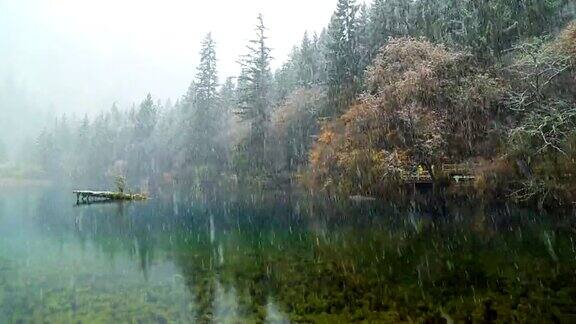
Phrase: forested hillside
(385,91)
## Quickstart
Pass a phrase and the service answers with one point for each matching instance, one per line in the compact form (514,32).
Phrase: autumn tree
(295,124)
(424,105)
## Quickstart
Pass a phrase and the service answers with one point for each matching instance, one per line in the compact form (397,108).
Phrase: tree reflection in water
(296,258)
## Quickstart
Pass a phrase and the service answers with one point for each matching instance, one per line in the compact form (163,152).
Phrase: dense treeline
(385,90)
(426,106)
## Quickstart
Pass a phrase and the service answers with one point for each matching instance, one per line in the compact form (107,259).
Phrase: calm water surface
(277,259)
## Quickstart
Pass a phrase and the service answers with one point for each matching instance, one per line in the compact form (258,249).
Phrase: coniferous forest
(387,92)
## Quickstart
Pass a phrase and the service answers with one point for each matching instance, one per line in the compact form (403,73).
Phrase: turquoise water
(280,258)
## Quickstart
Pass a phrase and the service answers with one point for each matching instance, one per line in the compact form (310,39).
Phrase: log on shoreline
(87,195)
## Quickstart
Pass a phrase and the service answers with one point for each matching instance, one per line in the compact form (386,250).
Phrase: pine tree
(287,78)
(204,113)
(363,52)
(82,134)
(207,76)
(189,98)
(228,102)
(145,119)
(320,43)
(378,31)
(341,57)
(307,62)
(228,96)
(305,66)
(255,94)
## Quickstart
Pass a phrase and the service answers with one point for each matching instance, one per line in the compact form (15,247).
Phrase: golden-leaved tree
(424,105)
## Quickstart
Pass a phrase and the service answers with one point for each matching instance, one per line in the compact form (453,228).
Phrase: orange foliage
(423,105)
(566,42)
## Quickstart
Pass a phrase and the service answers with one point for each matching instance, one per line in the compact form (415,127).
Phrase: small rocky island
(87,196)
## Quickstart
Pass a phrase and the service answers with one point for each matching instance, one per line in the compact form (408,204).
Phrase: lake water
(280,258)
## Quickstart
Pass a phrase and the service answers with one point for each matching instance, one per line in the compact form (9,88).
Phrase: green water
(280,259)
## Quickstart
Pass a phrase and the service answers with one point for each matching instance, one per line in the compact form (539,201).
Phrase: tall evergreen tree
(205,116)
(207,76)
(378,30)
(82,136)
(145,119)
(341,56)
(228,103)
(287,77)
(254,90)
(363,52)
(228,97)
(307,65)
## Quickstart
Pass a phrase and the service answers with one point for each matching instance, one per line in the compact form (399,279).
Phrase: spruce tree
(341,56)
(255,94)
(305,66)
(145,119)
(205,118)
(228,96)
(362,41)
(207,76)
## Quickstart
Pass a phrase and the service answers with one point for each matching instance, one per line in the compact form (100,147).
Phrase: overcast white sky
(84,55)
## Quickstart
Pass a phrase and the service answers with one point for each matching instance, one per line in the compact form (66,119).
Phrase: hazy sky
(76,55)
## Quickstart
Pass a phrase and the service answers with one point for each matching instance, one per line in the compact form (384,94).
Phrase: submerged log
(361,199)
(86,195)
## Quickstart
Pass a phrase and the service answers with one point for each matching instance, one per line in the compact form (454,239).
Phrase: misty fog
(322,161)
(78,57)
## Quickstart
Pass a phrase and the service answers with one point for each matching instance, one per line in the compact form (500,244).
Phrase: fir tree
(341,57)
(207,76)
(145,119)
(206,116)
(362,41)
(254,90)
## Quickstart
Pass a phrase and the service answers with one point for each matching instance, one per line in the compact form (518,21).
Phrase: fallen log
(87,195)
(361,199)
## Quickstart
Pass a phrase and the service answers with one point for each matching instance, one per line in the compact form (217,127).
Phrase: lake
(280,258)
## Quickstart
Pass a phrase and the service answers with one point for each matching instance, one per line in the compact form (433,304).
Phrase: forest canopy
(386,92)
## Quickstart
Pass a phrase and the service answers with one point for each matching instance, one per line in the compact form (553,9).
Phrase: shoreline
(15,182)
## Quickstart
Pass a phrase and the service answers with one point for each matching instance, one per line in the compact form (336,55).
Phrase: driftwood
(87,196)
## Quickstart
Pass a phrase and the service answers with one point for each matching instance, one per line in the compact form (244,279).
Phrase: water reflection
(279,258)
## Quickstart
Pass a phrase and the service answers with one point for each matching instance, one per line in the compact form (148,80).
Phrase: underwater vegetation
(283,259)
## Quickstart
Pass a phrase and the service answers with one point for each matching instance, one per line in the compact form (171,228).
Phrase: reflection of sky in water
(225,304)
(274,315)
(43,269)
(179,260)
(73,252)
